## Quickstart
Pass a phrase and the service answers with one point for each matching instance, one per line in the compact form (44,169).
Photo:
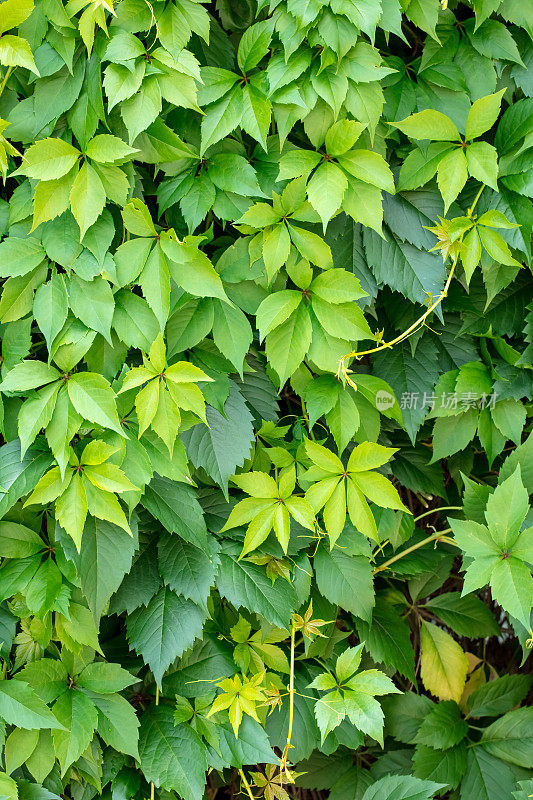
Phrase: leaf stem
(474,204)
(6,78)
(246,784)
(433,538)
(306,418)
(343,371)
(288,745)
(152,787)
(434,511)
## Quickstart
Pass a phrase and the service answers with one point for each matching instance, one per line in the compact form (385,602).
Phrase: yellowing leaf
(443,665)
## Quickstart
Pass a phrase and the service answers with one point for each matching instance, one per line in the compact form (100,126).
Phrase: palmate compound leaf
(351,693)
(224,225)
(500,552)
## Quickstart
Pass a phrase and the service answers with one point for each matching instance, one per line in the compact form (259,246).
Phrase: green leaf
(246,585)
(494,40)
(451,434)
(446,766)
(256,114)
(429,124)
(93,303)
(28,375)
(368,167)
(486,777)
(253,45)
(342,136)
(232,333)
(188,570)
(311,246)
(104,678)
(155,283)
(326,190)
(93,398)
(21,706)
(512,587)
(483,115)
(14,13)
(164,629)
(288,344)
(36,413)
(225,442)
(275,309)
(192,270)
(496,247)
(401,787)
(19,746)
(510,737)
(18,541)
(47,677)
(117,722)
(482,162)
(8,787)
(104,559)
(233,173)
(337,571)
(20,255)
(87,197)
(409,373)
(467,616)
(221,118)
(50,308)
(78,716)
(424,13)
(19,476)
(443,727)
(387,639)
(139,111)
(49,159)
(405,268)
(276,248)
(107,149)
(498,696)
(452,174)
(172,756)
(177,509)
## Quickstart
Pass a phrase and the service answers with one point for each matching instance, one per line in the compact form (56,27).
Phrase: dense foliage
(267,366)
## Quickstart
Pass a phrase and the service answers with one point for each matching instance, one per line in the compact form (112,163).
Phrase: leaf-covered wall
(266,378)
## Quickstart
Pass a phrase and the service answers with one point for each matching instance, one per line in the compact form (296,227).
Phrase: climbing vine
(265,399)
